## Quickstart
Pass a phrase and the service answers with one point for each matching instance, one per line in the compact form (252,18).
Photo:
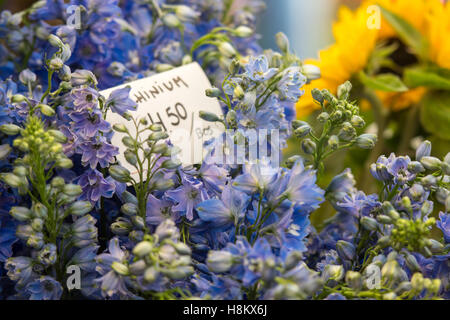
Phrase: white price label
(172,99)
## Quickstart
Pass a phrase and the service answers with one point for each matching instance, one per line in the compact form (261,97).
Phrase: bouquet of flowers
(77,224)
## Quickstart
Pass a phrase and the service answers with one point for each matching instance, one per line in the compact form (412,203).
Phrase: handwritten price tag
(172,99)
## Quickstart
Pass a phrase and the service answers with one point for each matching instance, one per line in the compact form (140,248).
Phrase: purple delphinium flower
(111,281)
(44,288)
(84,99)
(95,186)
(119,101)
(226,211)
(290,84)
(88,124)
(159,210)
(98,151)
(444,225)
(187,196)
(257,69)
(392,170)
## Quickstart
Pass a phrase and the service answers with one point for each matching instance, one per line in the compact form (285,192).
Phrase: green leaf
(407,33)
(435,114)
(431,77)
(384,82)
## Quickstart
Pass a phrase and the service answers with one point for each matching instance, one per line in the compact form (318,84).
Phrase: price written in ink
(172,99)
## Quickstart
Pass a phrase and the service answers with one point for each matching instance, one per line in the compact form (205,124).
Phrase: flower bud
(354,280)
(358,122)
(21,213)
(208,116)
(171,164)
(417,282)
(130,209)
(343,91)
(282,42)
(64,163)
(142,249)
(412,263)
(55,41)
(219,261)
(39,210)
(121,227)
(10,129)
(120,268)
(130,157)
(317,95)
(186,14)
(383,242)
(431,163)
(366,141)
(213,92)
(227,50)
(46,110)
(308,146)
(119,173)
(5,150)
(156,136)
(27,76)
(120,128)
(179,272)
(80,208)
(12,180)
(137,268)
(55,64)
(333,142)
(369,223)
(302,131)
(18,98)
(345,249)
(150,275)
(170,20)
(424,150)
(415,167)
(311,73)
(333,272)
(243,31)
(72,190)
(238,92)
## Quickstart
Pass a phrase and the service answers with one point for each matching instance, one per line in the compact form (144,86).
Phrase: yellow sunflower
(355,42)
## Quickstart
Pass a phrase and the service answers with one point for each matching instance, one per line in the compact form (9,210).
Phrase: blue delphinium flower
(257,69)
(119,101)
(291,82)
(95,186)
(44,288)
(97,152)
(187,196)
(227,211)
(444,225)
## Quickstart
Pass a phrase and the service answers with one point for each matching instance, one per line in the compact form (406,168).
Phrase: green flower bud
(163,184)
(120,268)
(155,136)
(311,73)
(46,110)
(391,271)
(213,92)
(64,163)
(171,164)
(243,32)
(72,190)
(55,64)
(163,67)
(308,146)
(120,128)
(435,286)
(55,41)
(120,174)
(138,222)
(323,117)
(227,50)
(416,167)
(383,219)
(369,223)
(431,163)
(21,213)
(282,42)
(10,129)
(336,116)
(150,275)
(318,96)
(366,141)
(130,209)
(333,142)
(412,263)
(80,208)
(156,127)
(39,210)
(58,135)
(12,180)
(343,91)
(219,261)
(18,98)
(208,116)
(20,171)
(383,242)
(417,282)
(130,157)
(142,249)
(238,92)
(128,142)
(121,227)
(5,150)
(186,60)
(179,272)
(137,268)
(354,280)
(57,182)
(333,272)
(389,296)
(37,224)
(170,20)
(358,122)
(182,249)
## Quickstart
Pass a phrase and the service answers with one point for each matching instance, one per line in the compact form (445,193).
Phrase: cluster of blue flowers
(76,224)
